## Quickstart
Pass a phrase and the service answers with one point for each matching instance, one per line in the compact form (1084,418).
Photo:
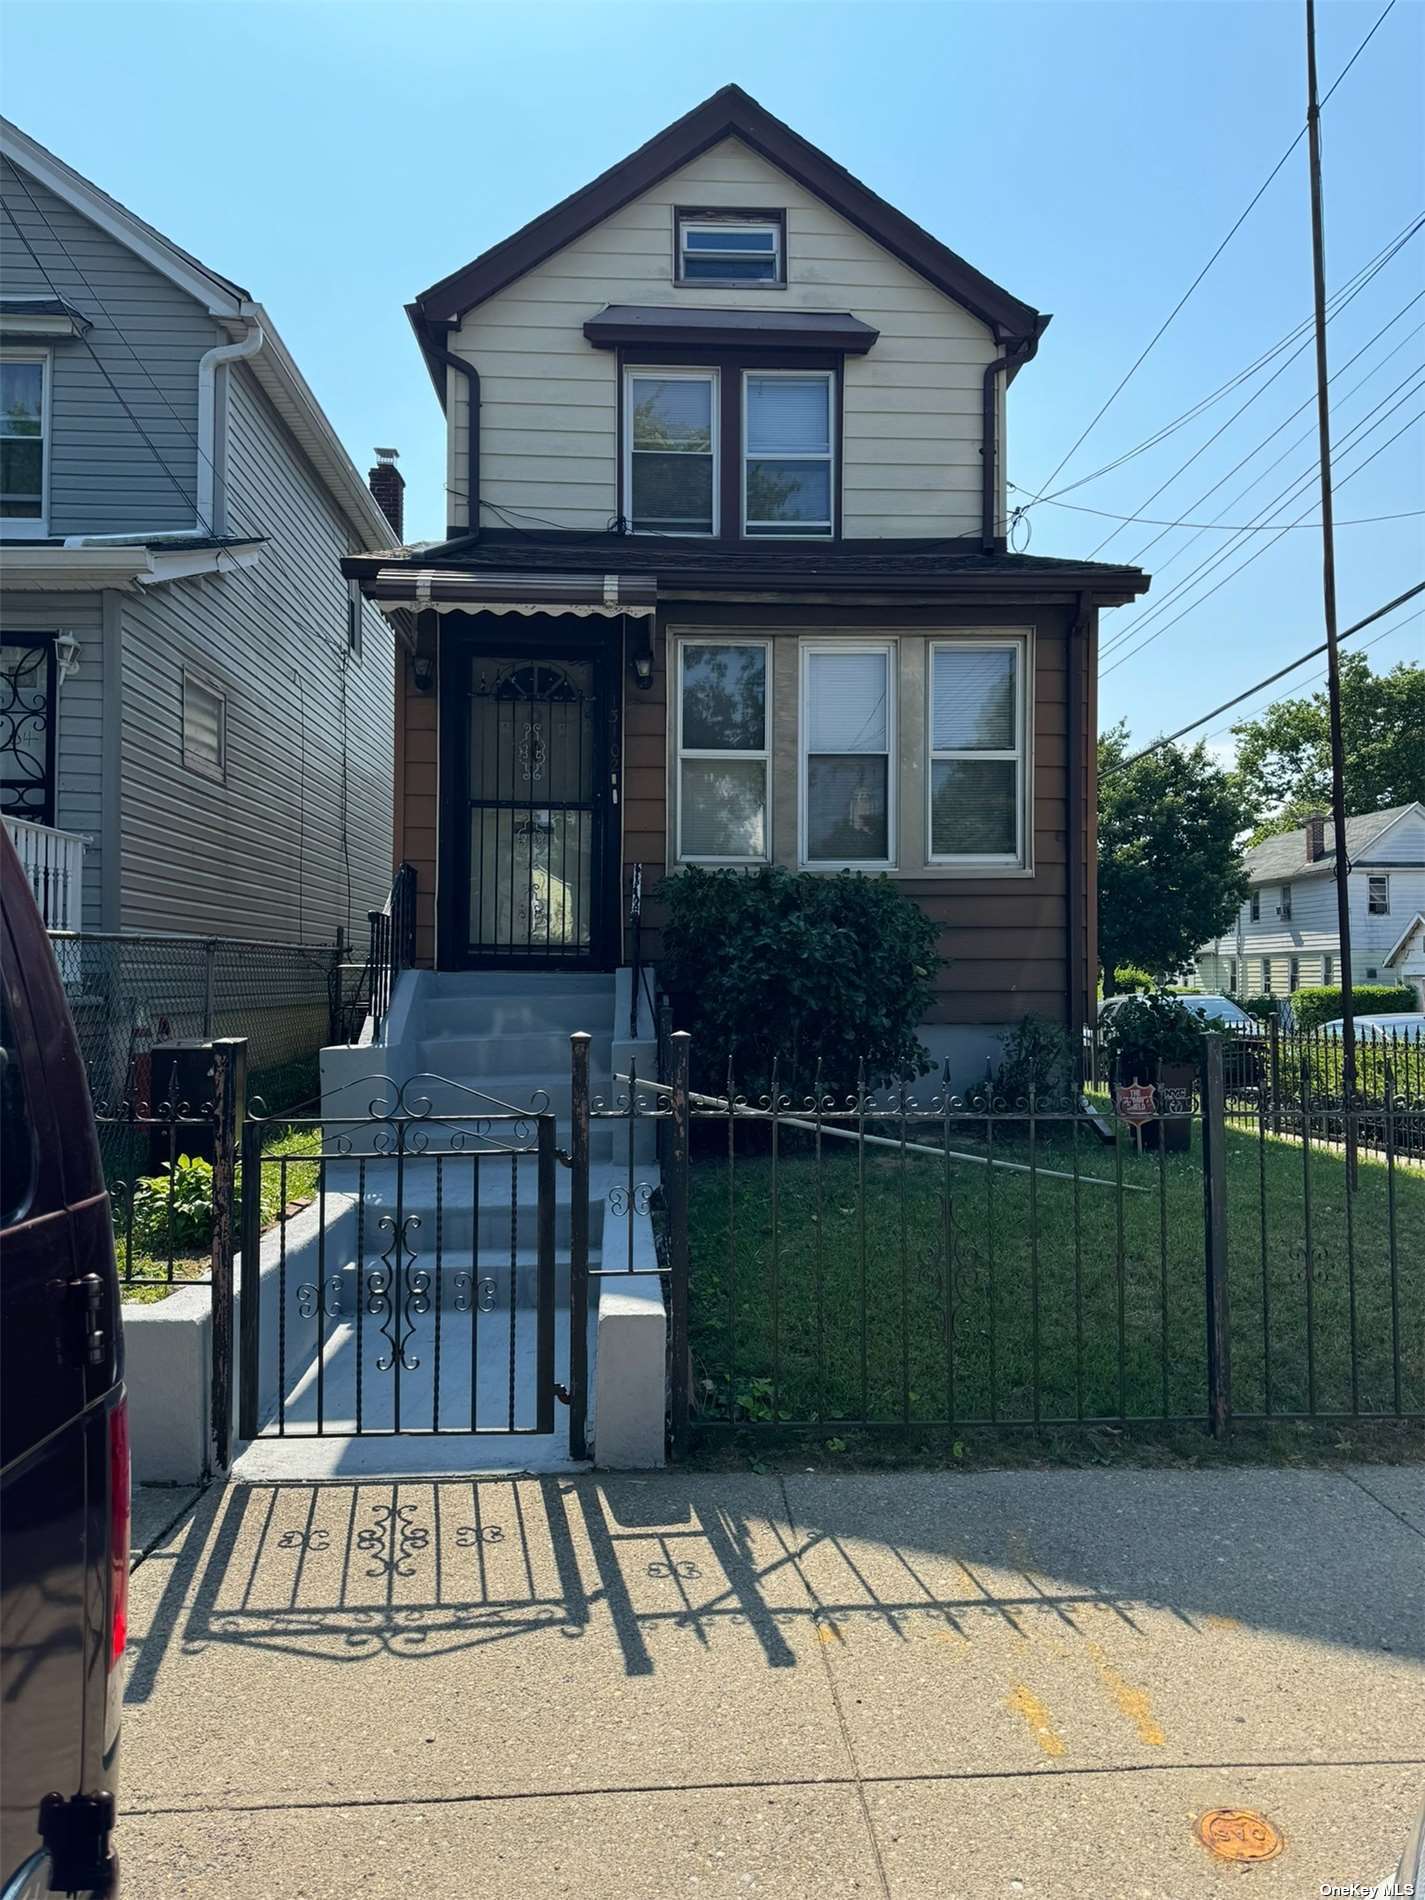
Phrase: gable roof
(228,303)
(1402,942)
(732,113)
(1284,856)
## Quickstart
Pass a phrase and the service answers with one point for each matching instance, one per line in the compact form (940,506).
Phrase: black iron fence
(904,1257)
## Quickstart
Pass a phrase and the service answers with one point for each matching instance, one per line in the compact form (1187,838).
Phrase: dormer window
(731,248)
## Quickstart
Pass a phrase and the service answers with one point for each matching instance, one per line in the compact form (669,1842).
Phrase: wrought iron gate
(410,1285)
(541,754)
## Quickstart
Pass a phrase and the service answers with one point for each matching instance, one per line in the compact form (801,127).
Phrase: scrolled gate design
(409,1286)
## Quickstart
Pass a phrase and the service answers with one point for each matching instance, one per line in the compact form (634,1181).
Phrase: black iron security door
(539,777)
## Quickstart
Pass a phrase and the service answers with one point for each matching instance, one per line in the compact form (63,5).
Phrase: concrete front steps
(476,1046)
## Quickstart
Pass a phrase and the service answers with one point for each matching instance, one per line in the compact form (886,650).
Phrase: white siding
(297,839)
(79,798)
(134,375)
(549,398)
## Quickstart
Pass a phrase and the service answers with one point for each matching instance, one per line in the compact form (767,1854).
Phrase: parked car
(1215,1009)
(1403,1028)
(64,1453)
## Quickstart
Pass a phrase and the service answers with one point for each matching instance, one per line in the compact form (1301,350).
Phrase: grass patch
(995,1299)
(290,1187)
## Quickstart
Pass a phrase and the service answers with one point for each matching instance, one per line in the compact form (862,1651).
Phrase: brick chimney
(1315,836)
(388,485)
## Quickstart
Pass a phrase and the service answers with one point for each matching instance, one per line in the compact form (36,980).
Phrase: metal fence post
(210,955)
(579,1243)
(665,1069)
(251,1254)
(229,1097)
(1214,1210)
(677,1194)
(1274,1071)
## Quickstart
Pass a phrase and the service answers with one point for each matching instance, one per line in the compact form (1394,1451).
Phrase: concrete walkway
(917,1685)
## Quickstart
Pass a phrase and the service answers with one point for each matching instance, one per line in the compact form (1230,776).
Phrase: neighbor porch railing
(53,863)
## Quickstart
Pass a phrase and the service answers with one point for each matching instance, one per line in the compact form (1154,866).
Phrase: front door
(537,748)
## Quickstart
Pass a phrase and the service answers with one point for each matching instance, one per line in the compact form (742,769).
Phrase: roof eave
(733,113)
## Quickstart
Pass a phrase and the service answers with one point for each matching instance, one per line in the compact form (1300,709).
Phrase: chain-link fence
(131,993)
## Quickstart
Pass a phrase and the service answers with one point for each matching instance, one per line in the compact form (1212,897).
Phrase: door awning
(456,590)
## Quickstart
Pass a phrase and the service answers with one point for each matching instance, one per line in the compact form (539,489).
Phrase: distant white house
(1286,936)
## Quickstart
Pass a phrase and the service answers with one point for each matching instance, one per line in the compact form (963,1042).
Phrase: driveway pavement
(917,1684)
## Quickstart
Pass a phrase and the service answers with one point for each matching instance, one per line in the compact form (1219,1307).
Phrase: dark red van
(64,1453)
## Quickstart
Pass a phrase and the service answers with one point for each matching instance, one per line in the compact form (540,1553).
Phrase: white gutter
(208,366)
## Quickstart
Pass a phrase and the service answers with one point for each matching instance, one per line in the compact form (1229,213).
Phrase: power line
(1284,498)
(1241,220)
(1339,299)
(1222,527)
(1315,679)
(1256,555)
(1272,678)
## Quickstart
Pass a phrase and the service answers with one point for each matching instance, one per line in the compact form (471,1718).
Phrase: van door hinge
(88,1297)
(75,1831)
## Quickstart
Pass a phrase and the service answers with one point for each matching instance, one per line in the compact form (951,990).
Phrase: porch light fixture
(66,652)
(643,670)
(423,671)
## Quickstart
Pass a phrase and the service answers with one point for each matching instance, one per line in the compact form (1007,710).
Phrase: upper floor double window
(24,441)
(683,439)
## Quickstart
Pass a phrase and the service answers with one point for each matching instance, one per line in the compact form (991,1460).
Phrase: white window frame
(1019,859)
(16,527)
(202,767)
(827,376)
(685,642)
(891,651)
(779,263)
(1328,971)
(1254,907)
(1382,878)
(1284,904)
(667,374)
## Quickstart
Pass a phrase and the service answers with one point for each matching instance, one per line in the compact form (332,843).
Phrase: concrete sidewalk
(912,1684)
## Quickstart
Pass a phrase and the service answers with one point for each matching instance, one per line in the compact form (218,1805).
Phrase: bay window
(671,451)
(977,775)
(787,453)
(847,728)
(723,752)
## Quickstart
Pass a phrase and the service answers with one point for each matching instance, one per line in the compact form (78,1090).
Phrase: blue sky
(337,158)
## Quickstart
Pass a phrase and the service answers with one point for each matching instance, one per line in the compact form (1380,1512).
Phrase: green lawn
(147,1276)
(803,1309)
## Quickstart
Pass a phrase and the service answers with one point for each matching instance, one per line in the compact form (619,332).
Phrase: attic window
(720,247)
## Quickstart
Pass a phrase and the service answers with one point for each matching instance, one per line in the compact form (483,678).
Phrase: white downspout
(205,526)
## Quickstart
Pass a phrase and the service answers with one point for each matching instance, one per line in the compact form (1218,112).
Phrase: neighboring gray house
(1287,936)
(196,710)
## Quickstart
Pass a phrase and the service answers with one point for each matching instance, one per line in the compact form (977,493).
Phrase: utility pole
(1328,585)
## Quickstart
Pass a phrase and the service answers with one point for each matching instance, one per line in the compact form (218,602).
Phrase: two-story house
(725,580)
(195,707)
(1287,934)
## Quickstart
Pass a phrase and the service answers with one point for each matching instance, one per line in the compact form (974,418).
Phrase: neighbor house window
(714,248)
(723,761)
(1285,908)
(1254,907)
(24,442)
(1293,980)
(1328,970)
(787,453)
(1378,897)
(670,449)
(205,723)
(1232,976)
(1266,977)
(848,742)
(977,744)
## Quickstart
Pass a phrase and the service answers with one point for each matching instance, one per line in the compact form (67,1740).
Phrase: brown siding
(1006,938)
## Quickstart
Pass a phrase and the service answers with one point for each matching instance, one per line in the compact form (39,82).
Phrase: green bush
(1322,1003)
(776,963)
(1129,977)
(1158,1027)
(1263,1007)
(179,1221)
(1039,1057)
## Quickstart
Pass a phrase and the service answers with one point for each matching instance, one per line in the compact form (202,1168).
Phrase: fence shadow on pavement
(418,1570)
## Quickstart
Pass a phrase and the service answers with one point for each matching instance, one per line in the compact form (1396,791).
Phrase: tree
(1284,756)
(1170,874)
